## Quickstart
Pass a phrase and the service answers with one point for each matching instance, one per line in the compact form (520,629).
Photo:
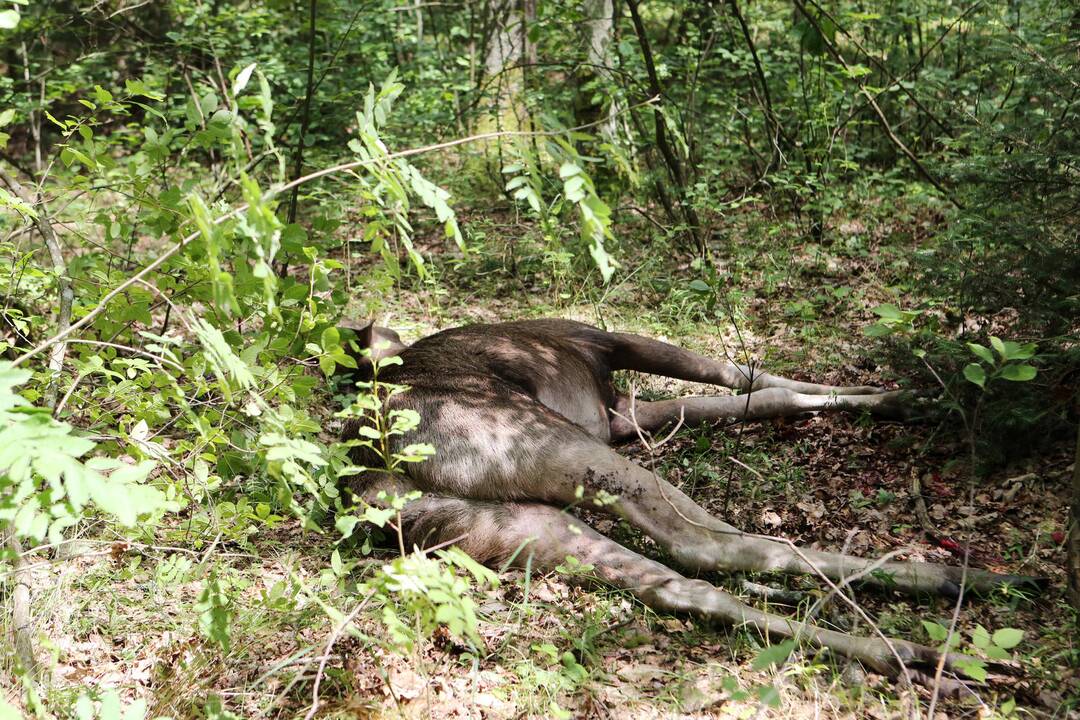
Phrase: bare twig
(882,120)
(1073,554)
(305,118)
(137,351)
(330,641)
(743,465)
(952,629)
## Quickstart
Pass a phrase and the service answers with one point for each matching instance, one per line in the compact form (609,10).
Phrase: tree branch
(882,120)
(344,167)
(674,166)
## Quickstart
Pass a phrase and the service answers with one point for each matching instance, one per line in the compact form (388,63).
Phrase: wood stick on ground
(921,514)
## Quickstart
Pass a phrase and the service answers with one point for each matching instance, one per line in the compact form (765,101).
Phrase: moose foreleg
(757,405)
(541,537)
(635,352)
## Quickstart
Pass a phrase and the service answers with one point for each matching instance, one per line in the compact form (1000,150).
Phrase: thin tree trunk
(305,119)
(671,159)
(772,123)
(505,53)
(67,293)
(21,618)
(1073,567)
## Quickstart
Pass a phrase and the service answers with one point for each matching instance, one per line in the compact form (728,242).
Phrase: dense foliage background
(177,260)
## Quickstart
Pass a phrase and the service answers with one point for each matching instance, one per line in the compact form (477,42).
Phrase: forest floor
(553,647)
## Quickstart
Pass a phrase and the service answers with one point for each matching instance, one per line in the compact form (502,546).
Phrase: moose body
(522,415)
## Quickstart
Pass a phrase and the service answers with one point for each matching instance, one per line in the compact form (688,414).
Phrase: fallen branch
(921,514)
(772,594)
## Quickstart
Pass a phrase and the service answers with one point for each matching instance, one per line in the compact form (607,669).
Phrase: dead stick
(331,640)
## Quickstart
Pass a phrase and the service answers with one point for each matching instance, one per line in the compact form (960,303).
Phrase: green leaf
(773,655)
(975,374)
(242,78)
(9,712)
(877,330)
(1022,352)
(980,638)
(110,706)
(136,710)
(138,87)
(936,631)
(996,343)
(888,311)
(9,19)
(982,352)
(1018,373)
(974,669)
(1008,638)
(327,364)
(769,695)
(345,524)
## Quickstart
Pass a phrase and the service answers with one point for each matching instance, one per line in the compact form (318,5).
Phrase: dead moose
(522,415)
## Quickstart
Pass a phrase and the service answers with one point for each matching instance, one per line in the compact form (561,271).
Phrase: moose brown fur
(522,415)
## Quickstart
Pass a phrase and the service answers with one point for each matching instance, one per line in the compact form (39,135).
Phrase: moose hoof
(906,405)
(984,582)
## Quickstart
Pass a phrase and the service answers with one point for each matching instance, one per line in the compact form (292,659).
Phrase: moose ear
(363,332)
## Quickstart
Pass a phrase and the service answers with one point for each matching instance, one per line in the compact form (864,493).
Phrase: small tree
(1073,562)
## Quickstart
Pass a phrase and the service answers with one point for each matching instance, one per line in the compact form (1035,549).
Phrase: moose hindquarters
(542,537)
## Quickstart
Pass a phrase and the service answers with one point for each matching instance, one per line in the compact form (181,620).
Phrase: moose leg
(634,352)
(757,405)
(697,540)
(541,537)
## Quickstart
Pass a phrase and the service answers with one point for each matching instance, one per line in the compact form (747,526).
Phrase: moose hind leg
(541,537)
(698,540)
